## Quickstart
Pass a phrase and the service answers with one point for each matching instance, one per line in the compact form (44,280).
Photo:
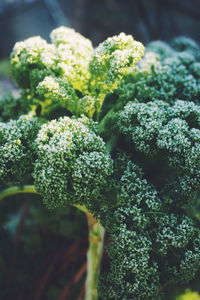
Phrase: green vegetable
(73,166)
(117,136)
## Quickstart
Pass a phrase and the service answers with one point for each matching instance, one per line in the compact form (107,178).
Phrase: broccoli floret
(161,48)
(52,72)
(74,52)
(183,43)
(31,61)
(113,59)
(151,247)
(157,128)
(17,149)
(73,165)
(132,272)
(69,72)
(61,91)
(163,76)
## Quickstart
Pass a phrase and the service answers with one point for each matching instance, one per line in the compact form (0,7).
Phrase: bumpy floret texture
(73,165)
(157,128)
(68,72)
(17,149)
(113,59)
(183,43)
(73,53)
(62,92)
(32,60)
(150,246)
(52,72)
(165,73)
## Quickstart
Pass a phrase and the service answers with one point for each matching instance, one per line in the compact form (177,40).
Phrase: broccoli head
(73,165)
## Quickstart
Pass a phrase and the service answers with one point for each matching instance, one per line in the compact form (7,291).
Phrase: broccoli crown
(158,129)
(157,126)
(17,150)
(154,238)
(73,165)
(73,54)
(165,74)
(113,59)
(69,72)
(32,60)
(151,246)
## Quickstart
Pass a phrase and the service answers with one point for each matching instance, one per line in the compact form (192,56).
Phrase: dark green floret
(73,165)
(17,149)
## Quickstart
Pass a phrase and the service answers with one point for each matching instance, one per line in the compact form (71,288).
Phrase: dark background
(97,19)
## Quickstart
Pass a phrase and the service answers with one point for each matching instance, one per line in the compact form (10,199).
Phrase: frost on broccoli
(17,149)
(73,54)
(165,74)
(161,48)
(73,165)
(157,128)
(183,43)
(151,246)
(31,61)
(114,59)
(69,72)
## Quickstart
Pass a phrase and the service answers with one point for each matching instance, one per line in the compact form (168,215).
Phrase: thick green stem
(94,257)
(103,122)
(94,254)
(96,241)
(26,189)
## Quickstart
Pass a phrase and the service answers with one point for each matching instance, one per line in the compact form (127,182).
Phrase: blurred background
(43,253)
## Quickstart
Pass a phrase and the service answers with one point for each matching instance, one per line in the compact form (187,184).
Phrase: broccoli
(17,149)
(71,156)
(164,74)
(70,72)
(172,131)
(116,135)
(147,238)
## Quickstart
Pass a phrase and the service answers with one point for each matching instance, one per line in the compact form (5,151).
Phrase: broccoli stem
(95,235)
(105,119)
(94,256)
(25,189)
